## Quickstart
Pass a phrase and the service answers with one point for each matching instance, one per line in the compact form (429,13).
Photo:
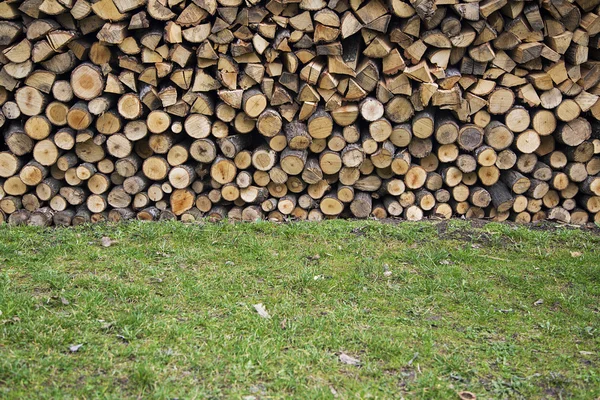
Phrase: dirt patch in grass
(467,234)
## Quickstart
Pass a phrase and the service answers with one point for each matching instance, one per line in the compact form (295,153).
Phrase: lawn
(426,310)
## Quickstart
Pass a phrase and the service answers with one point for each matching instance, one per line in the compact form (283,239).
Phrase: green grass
(167,311)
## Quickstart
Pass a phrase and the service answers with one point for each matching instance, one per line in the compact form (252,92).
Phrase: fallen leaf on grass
(13,320)
(576,254)
(122,338)
(466,395)
(261,310)
(106,241)
(412,360)
(106,325)
(538,302)
(386,270)
(346,359)
(75,348)
(457,377)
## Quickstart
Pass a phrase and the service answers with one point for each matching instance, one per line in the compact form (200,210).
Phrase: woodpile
(300,109)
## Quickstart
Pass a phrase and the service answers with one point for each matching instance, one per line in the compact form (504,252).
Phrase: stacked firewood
(300,109)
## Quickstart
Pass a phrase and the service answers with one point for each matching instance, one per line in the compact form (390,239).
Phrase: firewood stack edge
(299,109)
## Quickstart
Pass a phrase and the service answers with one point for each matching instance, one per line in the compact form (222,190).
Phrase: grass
(429,310)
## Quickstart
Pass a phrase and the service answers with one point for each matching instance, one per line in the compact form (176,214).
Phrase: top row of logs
(307,92)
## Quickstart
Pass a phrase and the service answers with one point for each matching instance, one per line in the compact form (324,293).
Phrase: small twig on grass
(493,258)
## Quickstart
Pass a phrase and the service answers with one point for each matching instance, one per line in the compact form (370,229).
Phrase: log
(297,136)
(293,161)
(498,136)
(230,146)
(502,199)
(87,81)
(330,205)
(515,181)
(299,110)
(362,205)
(30,100)
(41,217)
(470,137)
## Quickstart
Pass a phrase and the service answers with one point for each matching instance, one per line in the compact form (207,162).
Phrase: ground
(428,310)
